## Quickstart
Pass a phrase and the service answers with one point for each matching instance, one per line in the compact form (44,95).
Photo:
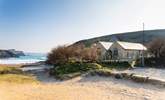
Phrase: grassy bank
(10,69)
(11,74)
(116,65)
(17,78)
(71,70)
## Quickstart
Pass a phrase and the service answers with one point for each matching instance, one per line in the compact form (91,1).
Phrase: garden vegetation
(75,60)
(156,50)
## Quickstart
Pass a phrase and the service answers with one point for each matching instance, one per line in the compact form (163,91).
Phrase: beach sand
(79,88)
(82,88)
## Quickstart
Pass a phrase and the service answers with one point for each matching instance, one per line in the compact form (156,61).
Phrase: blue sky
(39,25)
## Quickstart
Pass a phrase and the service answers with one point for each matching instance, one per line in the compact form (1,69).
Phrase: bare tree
(60,54)
(157,49)
(63,54)
(90,54)
(78,51)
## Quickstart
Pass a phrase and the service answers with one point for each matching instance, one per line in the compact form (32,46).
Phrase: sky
(40,25)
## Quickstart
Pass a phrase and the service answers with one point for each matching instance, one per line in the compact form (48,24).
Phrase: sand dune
(82,88)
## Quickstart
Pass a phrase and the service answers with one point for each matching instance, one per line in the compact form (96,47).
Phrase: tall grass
(17,78)
(11,74)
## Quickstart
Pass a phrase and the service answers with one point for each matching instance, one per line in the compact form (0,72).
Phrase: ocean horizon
(27,59)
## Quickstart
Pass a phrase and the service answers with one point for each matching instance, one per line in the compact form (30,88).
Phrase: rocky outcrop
(11,53)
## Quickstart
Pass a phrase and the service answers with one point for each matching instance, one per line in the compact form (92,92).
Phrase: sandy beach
(82,88)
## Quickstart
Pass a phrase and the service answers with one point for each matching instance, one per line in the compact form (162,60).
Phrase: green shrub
(68,76)
(71,68)
(150,62)
(116,64)
(101,72)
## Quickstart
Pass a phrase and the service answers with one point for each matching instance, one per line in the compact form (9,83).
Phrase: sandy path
(82,88)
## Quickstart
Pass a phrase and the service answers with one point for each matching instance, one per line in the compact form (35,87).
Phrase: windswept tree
(157,49)
(78,51)
(90,54)
(64,54)
(60,54)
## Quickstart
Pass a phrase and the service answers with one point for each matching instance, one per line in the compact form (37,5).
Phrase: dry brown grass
(12,74)
(11,65)
(17,78)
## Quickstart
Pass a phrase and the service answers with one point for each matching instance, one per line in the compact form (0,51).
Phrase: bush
(100,72)
(59,55)
(71,68)
(157,50)
(150,62)
(65,54)
(116,65)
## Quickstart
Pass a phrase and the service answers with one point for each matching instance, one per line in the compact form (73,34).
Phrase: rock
(118,76)
(17,53)
(10,53)
(156,81)
(139,78)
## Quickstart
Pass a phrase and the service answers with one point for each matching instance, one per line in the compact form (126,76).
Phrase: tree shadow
(44,77)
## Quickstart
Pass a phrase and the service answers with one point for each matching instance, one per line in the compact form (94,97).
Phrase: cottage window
(127,54)
(115,52)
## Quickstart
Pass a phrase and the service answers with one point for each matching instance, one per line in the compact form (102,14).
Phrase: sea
(27,59)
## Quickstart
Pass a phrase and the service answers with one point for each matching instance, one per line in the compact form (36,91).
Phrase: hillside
(128,37)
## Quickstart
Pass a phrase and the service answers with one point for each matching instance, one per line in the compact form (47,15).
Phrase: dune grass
(9,69)
(116,65)
(11,65)
(12,74)
(71,70)
(17,78)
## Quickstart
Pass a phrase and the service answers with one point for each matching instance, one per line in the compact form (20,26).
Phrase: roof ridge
(129,42)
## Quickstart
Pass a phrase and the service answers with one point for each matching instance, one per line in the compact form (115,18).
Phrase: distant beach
(27,59)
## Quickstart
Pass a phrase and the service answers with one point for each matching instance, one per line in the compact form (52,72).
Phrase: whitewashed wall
(102,50)
(124,54)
